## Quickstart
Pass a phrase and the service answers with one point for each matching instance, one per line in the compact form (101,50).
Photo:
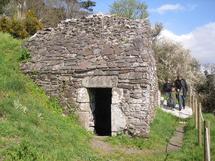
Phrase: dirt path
(98,143)
(176,142)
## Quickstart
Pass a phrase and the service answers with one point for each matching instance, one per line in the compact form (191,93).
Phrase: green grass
(162,128)
(211,119)
(31,126)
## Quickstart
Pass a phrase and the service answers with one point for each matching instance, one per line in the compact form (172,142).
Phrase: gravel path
(184,113)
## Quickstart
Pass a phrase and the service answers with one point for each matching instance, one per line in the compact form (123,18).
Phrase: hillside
(32,126)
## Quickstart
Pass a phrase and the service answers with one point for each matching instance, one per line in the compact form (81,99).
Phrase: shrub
(32,23)
(18,29)
(24,54)
(21,28)
(5,24)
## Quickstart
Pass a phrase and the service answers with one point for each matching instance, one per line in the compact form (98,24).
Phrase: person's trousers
(181,101)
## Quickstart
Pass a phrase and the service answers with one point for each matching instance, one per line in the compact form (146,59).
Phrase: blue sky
(186,17)
(191,22)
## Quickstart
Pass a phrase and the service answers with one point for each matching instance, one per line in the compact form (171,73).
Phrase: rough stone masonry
(98,51)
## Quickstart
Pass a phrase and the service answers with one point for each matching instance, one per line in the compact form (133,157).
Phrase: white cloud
(168,7)
(201,42)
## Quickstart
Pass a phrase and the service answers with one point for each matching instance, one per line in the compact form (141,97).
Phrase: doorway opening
(100,98)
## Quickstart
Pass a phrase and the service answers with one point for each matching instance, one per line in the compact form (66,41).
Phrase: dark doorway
(102,111)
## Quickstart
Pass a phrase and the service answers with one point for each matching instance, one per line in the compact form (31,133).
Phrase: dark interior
(102,111)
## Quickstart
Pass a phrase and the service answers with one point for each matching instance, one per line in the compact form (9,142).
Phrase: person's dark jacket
(167,87)
(181,85)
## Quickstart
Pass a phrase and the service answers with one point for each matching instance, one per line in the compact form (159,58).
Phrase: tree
(172,59)
(88,4)
(156,30)
(3,3)
(209,68)
(32,23)
(15,8)
(49,12)
(206,91)
(132,9)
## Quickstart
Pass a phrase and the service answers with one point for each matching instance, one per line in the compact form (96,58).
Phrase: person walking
(167,89)
(181,89)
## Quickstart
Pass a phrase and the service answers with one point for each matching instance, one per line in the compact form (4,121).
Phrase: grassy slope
(31,126)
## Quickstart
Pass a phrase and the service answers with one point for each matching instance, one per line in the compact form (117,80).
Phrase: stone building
(102,64)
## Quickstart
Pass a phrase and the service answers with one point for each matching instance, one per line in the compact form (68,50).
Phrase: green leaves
(21,28)
(132,9)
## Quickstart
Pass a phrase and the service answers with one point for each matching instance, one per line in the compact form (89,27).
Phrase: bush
(5,24)
(206,89)
(21,28)
(32,23)
(18,29)
(24,55)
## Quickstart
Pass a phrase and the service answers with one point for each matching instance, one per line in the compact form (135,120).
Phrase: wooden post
(209,142)
(206,141)
(196,114)
(209,133)
(191,98)
(193,104)
(199,125)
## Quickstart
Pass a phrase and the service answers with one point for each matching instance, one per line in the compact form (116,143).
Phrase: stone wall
(98,52)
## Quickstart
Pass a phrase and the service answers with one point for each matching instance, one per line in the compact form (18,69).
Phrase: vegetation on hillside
(49,12)
(22,18)
(21,28)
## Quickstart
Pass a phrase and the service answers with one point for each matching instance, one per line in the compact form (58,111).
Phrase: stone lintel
(100,82)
